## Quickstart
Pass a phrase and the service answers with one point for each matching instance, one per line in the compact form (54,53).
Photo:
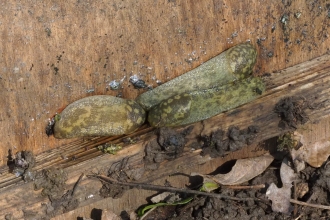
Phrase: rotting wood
(54,54)
(309,79)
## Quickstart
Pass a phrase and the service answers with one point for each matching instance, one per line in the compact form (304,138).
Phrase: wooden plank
(56,52)
(312,82)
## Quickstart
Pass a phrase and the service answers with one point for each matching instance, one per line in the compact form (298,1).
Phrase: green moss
(109,148)
(286,142)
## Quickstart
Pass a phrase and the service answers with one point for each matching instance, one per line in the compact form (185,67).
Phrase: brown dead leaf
(109,215)
(315,154)
(244,170)
(168,197)
(280,197)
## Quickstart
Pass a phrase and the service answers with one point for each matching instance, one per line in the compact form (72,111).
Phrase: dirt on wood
(219,142)
(21,164)
(168,146)
(292,111)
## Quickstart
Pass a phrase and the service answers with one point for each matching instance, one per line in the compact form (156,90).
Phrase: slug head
(242,59)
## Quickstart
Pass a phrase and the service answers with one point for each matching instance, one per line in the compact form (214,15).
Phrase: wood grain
(55,52)
(311,83)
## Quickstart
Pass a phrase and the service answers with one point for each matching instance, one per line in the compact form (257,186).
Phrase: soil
(292,111)
(212,208)
(220,143)
(53,184)
(21,164)
(312,184)
(168,146)
(115,172)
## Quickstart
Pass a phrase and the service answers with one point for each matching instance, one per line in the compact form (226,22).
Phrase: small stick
(309,204)
(295,210)
(298,217)
(261,186)
(171,189)
(76,184)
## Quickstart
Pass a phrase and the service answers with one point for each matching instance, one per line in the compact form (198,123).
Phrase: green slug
(234,64)
(99,115)
(190,107)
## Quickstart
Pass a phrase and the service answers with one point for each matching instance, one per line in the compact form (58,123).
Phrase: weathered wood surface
(55,52)
(309,79)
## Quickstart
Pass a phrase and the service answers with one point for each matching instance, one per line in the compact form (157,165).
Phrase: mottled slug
(234,64)
(198,105)
(99,115)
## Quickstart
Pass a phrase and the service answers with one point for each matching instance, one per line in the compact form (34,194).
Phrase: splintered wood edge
(309,79)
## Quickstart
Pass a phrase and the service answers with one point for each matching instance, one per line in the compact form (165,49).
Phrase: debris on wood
(243,170)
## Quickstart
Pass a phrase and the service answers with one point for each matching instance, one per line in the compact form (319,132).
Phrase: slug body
(171,112)
(202,104)
(99,115)
(234,64)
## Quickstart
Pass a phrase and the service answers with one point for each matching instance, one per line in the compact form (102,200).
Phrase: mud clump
(117,172)
(21,165)
(112,190)
(219,142)
(52,182)
(121,172)
(292,111)
(168,146)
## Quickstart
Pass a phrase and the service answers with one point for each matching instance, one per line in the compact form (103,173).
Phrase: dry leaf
(315,154)
(302,189)
(244,170)
(280,197)
(168,197)
(109,215)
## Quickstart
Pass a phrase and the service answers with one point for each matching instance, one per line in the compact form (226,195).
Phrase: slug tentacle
(231,65)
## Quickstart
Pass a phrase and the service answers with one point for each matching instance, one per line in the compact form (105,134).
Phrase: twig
(298,217)
(172,189)
(295,210)
(261,186)
(76,184)
(309,204)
